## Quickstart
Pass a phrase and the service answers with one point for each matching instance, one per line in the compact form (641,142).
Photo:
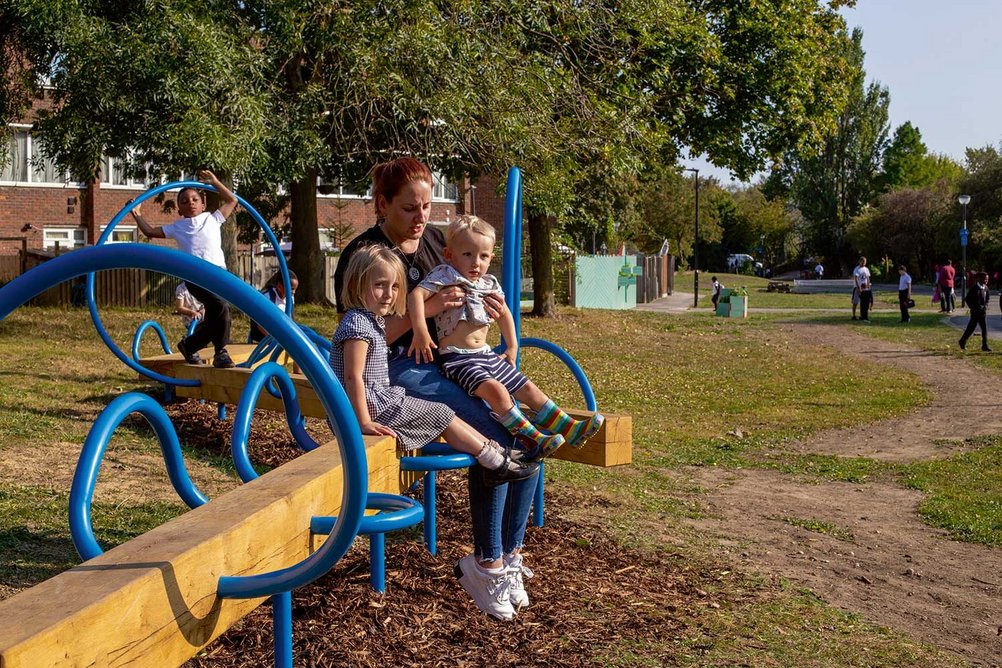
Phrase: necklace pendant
(414,273)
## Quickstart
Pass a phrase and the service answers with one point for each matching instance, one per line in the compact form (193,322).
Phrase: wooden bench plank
(611,446)
(151,601)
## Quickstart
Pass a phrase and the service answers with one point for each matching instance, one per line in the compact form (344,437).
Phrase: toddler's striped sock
(516,423)
(575,432)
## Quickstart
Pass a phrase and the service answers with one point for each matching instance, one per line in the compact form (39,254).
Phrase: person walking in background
(862,283)
(716,286)
(977,302)
(819,271)
(947,299)
(904,292)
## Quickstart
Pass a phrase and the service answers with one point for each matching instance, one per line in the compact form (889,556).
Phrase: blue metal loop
(137,338)
(395,512)
(89,464)
(437,457)
(92,301)
(570,362)
(245,413)
(314,366)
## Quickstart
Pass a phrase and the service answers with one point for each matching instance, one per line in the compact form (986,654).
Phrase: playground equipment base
(611,446)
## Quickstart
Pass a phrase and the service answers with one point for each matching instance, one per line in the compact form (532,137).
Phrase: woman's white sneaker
(517,572)
(489,588)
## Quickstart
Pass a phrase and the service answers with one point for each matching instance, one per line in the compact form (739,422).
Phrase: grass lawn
(691,382)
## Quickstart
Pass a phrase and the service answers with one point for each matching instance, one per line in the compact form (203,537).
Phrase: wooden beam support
(611,446)
(152,601)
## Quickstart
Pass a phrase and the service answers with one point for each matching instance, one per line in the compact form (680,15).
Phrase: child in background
(372,290)
(274,290)
(717,287)
(186,306)
(467,359)
(199,233)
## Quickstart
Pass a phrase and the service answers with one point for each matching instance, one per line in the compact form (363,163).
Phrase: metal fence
(138,288)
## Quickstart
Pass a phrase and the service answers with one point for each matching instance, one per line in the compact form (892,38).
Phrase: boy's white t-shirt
(862,275)
(904,281)
(199,236)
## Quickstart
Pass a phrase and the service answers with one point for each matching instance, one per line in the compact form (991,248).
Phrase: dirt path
(897,571)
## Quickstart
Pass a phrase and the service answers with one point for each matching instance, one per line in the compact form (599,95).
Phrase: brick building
(42,206)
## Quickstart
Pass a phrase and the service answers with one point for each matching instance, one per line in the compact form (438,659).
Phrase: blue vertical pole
(430,530)
(537,498)
(377,561)
(281,611)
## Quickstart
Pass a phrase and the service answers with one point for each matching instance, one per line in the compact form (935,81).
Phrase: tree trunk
(306,260)
(542,260)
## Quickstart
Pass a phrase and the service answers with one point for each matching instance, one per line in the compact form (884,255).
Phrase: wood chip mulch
(591,600)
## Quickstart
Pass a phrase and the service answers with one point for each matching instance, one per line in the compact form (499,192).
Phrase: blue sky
(941,62)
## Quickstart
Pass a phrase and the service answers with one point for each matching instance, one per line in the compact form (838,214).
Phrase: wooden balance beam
(152,601)
(611,446)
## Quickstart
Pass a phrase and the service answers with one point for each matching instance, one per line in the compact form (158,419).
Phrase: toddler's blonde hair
(356,277)
(472,224)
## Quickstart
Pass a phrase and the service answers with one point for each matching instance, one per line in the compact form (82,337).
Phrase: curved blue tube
(395,512)
(245,413)
(571,364)
(311,362)
(442,462)
(89,464)
(137,338)
(92,301)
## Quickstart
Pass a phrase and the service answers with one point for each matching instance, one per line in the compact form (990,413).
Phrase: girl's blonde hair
(356,277)
(472,224)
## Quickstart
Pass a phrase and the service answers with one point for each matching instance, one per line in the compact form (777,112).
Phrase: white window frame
(108,167)
(442,191)
(29,157)
(67,236)
(122,229)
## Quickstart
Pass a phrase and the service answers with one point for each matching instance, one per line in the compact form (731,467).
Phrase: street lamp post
(964,200)
(695,243)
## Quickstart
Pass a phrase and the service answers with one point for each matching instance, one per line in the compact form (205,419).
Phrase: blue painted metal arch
(89,464)
(292,339)
(92,301)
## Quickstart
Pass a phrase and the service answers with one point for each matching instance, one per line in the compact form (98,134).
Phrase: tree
(755,222)
(832,186)
(282,92)
(907,162)
(910,226)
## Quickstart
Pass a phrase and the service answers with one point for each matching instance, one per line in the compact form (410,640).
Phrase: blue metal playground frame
(310,352)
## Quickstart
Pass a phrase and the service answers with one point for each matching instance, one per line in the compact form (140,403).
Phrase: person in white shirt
(199,233)
(187,306)
(861,279)
(904,292)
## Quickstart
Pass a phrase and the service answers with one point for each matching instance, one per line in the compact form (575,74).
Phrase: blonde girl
(372,291)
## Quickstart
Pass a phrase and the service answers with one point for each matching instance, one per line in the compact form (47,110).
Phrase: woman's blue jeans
(499,514)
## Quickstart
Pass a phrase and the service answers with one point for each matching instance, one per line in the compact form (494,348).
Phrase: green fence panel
(605,281)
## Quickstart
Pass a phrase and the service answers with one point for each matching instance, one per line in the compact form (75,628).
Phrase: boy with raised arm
(199,233)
